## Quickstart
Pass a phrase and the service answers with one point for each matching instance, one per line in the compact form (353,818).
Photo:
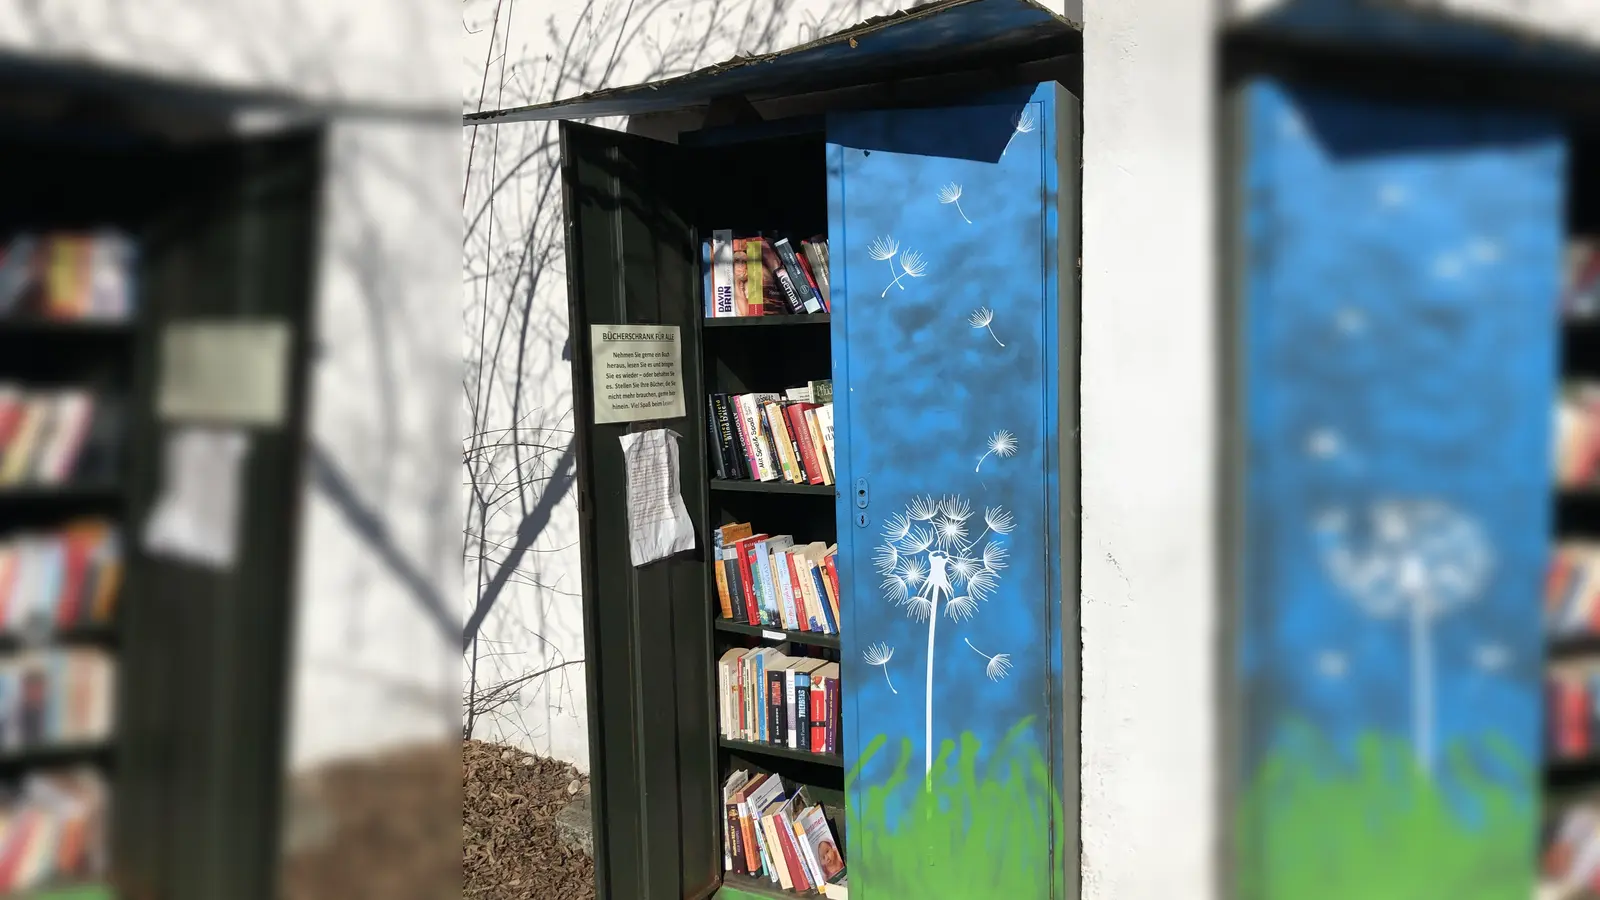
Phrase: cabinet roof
(941,36)
(1538,34)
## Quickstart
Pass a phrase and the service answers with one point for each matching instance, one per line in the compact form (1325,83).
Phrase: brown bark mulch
(385,829)
(511,847)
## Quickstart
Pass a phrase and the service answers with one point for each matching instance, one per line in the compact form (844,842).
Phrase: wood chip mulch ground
(381,828)
(510,844)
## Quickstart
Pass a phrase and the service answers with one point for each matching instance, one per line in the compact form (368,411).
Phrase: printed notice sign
(638,373)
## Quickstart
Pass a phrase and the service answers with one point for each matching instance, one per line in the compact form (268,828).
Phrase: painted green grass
(1381,830)
(974,834)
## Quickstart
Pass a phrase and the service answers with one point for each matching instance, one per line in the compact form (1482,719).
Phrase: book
(756,301)
(45,434)
(732,840)
(806,296)
(816,254)
(770,436)
(741,277)
(722,273)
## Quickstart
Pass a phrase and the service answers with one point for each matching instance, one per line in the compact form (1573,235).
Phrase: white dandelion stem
(982,458)
(962,211)
(885,668)
(990,329)
(893,283)
(927,752)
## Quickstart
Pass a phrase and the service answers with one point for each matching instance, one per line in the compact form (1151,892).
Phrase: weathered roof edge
(1527,36)
(847,35)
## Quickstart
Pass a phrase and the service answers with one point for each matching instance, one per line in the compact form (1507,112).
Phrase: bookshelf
(224,230)
(950,395)
(68,354)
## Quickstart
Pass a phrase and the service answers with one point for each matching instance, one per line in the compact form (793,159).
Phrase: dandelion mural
(879,654)
(1419,559)
(1026,123)
(951,193)
(999,665)
(912,265)
(983,317)
(1002,444)
(930,565)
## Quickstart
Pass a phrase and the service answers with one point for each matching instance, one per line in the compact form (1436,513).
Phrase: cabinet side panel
(945,326)
(1399,341)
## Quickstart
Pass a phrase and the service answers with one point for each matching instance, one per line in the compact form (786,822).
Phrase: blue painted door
(1399,338)
(942,228)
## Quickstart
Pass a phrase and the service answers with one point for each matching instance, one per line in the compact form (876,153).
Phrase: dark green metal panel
(632,259)
(204,669)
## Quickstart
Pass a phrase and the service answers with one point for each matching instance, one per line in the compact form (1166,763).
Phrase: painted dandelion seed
(912,265)
(1025,125)
(1002,444)
(951,193)
(884,249)
(983,317)
(931,567)
(999,666)
(879,655)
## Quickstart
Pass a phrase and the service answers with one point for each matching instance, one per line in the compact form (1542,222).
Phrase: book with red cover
(819,714)
(743,547)
(791,853)
(773,300)
(796,414)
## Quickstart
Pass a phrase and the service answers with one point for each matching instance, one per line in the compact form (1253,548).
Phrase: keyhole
(861,520)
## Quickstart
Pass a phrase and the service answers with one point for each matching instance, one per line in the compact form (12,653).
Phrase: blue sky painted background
(1399,326)
(926,390)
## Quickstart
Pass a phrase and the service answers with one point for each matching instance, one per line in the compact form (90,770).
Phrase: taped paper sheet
(196,518)
(658,524)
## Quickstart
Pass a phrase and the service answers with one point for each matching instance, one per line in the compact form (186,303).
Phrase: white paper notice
(658,525)
(196,518)
(638,373)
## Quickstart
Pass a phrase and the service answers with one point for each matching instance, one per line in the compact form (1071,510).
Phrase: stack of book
(64,578)
(53,831)
(44,433)
(68,276)
(1578,435)
(764,275)
(766,696)
(771,581)
(777,832)
(774,437)
(56,697)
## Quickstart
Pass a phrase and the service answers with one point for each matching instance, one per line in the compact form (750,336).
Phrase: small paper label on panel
(774,635)
(638,373)
(225,372)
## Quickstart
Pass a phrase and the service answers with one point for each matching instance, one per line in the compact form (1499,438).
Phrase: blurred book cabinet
(141,698)
(872,308)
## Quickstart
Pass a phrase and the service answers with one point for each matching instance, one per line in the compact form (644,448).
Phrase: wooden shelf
(67,328)
(55,755)
(79,492)
(1568,646)
(811,638)
(772,487)
(768,321)
(736,887)
(11,642)
(749,748)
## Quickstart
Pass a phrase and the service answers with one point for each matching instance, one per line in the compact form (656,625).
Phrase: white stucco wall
(371,670)
(1148,453)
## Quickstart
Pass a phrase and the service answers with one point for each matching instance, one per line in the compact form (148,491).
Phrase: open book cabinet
(948,341)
